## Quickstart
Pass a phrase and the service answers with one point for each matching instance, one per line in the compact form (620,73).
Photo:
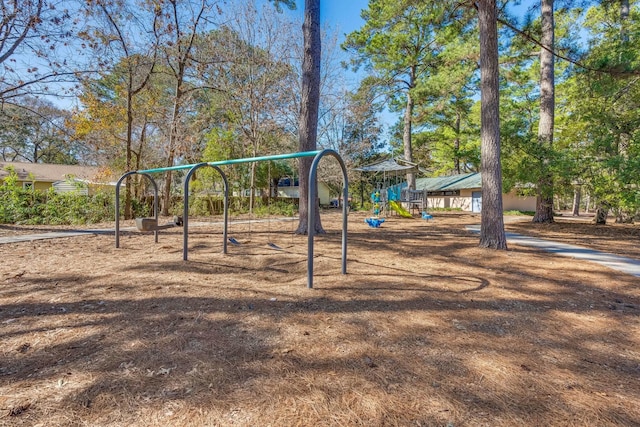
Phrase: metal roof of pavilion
(389,165)
(451,182)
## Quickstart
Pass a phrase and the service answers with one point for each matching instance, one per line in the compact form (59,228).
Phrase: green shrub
(519,213)
(139,208)
(28,206)
(275,207)
(204,205)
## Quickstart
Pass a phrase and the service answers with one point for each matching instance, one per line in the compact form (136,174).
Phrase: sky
(343,15)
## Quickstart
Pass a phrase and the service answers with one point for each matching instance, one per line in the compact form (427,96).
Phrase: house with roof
(290,187)
(464,192)
(63,178)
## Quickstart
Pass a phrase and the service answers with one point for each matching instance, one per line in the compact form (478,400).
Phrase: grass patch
(445,209)
(519,213)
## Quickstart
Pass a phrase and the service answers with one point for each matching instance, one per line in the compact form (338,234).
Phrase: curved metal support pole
(155,202)
(311,215)
(185,217)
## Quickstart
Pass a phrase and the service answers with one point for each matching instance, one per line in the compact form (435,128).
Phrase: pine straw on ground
(426,329)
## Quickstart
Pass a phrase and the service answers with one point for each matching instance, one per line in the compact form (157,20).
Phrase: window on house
(27,185)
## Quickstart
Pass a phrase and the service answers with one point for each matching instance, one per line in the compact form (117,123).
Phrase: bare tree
(35,132)
(179,27)
(31,34)
(122,33)
(256,54)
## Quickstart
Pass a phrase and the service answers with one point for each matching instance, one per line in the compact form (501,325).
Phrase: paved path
(57,235)
(74,233)
(626,265)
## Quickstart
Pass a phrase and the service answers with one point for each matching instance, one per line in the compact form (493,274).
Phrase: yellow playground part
(398,208)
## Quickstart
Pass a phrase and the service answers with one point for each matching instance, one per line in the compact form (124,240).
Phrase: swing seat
(151,224)
(146,224)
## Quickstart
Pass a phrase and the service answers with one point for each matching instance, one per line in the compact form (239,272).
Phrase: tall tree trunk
(456,146)
(139,155)
(128,214)
(602,208)
(577,197)
(624,17)
(406,135)
(406,140)
(138,179)
(602,211)
(587,203)
(173,137)
(544,199)
(166,190)
(492,224)
(252,186)
(310,102)
(625,137)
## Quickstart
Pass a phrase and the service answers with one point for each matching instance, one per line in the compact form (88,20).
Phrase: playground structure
(414,199)
(151,224)
(403,200)
(395,197)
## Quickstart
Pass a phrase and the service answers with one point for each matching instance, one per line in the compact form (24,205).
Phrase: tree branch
(28,26)
(530,38)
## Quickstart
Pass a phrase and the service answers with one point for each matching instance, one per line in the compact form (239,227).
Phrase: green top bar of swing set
(236,161)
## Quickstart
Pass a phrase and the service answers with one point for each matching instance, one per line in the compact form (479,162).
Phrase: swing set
(151,224)
(270,244)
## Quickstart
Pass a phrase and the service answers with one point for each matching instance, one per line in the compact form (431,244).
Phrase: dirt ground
(426,329)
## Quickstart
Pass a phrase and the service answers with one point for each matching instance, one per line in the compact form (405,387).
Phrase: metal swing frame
(311,220)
